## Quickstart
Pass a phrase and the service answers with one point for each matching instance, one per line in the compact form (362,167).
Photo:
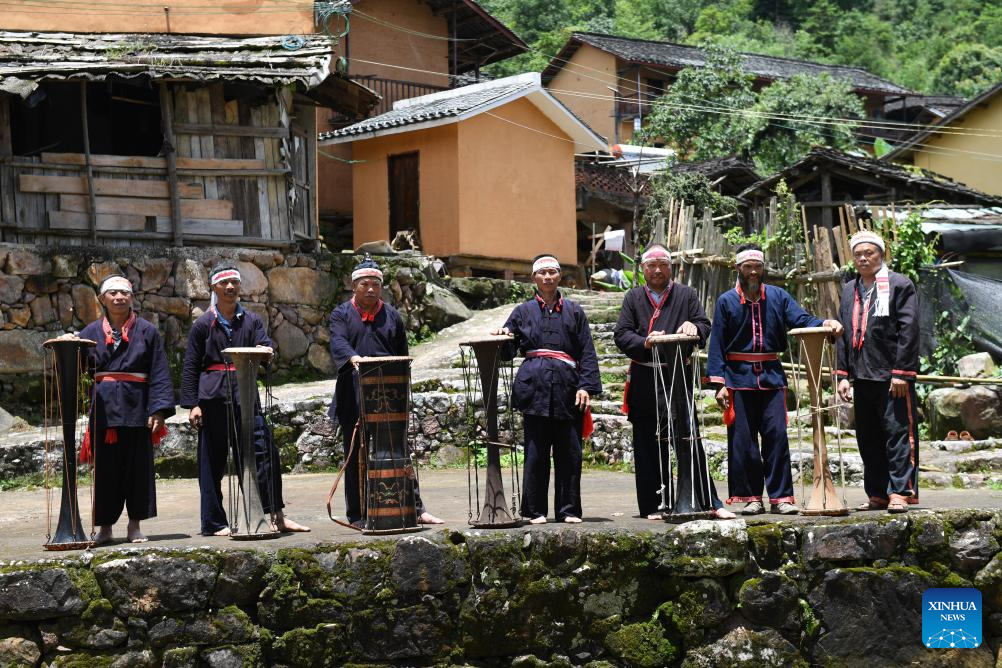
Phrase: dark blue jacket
(743,326)
(546,387)
(385,336)
(206,342)
(123,403)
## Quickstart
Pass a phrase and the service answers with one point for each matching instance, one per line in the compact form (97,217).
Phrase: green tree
(969,69)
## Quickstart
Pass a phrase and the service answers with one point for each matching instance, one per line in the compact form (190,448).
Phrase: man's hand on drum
(582,400)
(195,418)
(845,390)
(835,325)
(688,329)
(723,398)
(355,361)
(500,331)
(647,341)
(899,388)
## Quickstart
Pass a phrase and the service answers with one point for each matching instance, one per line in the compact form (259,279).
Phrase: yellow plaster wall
(236,17)
(516,186)
(438,178)
(941,157)
(589,71)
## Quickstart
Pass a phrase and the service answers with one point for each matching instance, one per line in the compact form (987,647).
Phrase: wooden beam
(7,205)
(230,130)
(194,226)
(88,171)
(167,121)
(156,236)
(77,185)
(826,196)
(218,209)
(71,220)
(152,162)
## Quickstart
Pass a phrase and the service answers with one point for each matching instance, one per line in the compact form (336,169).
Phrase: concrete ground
(609,503)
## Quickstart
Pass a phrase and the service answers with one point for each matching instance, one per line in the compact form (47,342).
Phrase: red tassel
(86,456)
(111,436)
(159,435)
(729,415)
(588,425)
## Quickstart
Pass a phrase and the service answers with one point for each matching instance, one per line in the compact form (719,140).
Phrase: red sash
(587,423)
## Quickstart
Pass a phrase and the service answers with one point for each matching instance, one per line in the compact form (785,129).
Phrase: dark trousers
(563,437)
(123,476)
(354,503)
(220,427)
(693,489)
(887,435)
(759,413)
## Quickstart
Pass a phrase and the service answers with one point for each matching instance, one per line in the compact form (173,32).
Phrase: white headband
(115,283)
(545,262)
(224,275)
(366,272)
(749,255)
(655,253)
(866,237)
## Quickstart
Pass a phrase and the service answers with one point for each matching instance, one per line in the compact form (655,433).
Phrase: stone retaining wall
(833,593)
(46,292)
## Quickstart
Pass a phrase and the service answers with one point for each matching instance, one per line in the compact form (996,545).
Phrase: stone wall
(46,292)
(834,593)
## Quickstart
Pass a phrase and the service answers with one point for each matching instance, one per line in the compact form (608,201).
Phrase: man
(207,388)
(662,306)
(364,326)
(132,397)
(749,332)
(877,363)
(552,389)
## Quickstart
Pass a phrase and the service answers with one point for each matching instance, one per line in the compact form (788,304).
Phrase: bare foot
(428,518)
(285,525)
(656,516)
(134,535)
(538,520)
(570,519)
(225,531)
(104,536)
(723,514)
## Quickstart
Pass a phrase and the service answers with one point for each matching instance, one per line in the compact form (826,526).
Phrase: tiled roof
(957,114)
(611,181)
(909,182)
(678,56)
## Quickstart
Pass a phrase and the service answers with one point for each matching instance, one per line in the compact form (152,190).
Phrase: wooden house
(151,139)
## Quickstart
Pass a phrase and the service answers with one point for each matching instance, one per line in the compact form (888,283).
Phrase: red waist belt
(220,367)
(752,357)
(123,376)
(587,424)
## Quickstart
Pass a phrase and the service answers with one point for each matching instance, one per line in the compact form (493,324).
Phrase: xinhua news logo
(951,618)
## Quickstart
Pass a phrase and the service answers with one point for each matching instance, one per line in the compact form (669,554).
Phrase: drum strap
(340,473)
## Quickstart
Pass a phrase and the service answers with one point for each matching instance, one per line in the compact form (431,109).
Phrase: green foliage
(911,248)
(693,188)
(953,341)
(968,70)
(784,238)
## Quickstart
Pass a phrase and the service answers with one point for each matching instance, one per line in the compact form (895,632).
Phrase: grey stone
(45,284)
(320,359)
(976,365)
(975,409)
(241,578)
(299,285)
(97,628)
(86,307)
(38,594)
(65,266)
(258,309)
(42,312)
(854,542)
(746,648)
(64,308)
(155,272)
(701,604)
(704,548)
(152,584)
(443,308)
(230,625)
(229,657)
(19,652)
(420,566)
(290,342)
(137,659)
(99,271)
(854,609)
(973,547)
(772,600)
(10,288)
(27,263)
(191,280)
(21,351)
(252,280)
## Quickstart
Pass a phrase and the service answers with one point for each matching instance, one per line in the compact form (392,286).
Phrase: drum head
(806,331)
(69,339)
(672,338)
(380,360)
(490,338)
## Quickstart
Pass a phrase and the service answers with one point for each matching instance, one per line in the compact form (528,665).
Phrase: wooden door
(404,197)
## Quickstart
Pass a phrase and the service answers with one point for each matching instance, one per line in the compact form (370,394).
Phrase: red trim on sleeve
(840,372)
(900,372)
(717,379)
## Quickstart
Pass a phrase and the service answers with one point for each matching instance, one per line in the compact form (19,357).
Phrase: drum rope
(471,454)
(91,425)
(48,393)
(697,422)
(508,379)
(667,500)
(679,363)
(232,453)
(801,354)
(273,455)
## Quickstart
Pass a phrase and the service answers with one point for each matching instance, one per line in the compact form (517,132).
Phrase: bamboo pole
(89,171)
(167,118)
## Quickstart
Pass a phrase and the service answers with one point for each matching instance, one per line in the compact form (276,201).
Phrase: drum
(685,491)
(389,499)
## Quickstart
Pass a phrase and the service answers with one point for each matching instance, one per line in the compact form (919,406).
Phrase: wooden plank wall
(237,162)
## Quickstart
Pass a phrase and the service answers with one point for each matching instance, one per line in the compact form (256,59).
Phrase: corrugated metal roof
(28,58)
